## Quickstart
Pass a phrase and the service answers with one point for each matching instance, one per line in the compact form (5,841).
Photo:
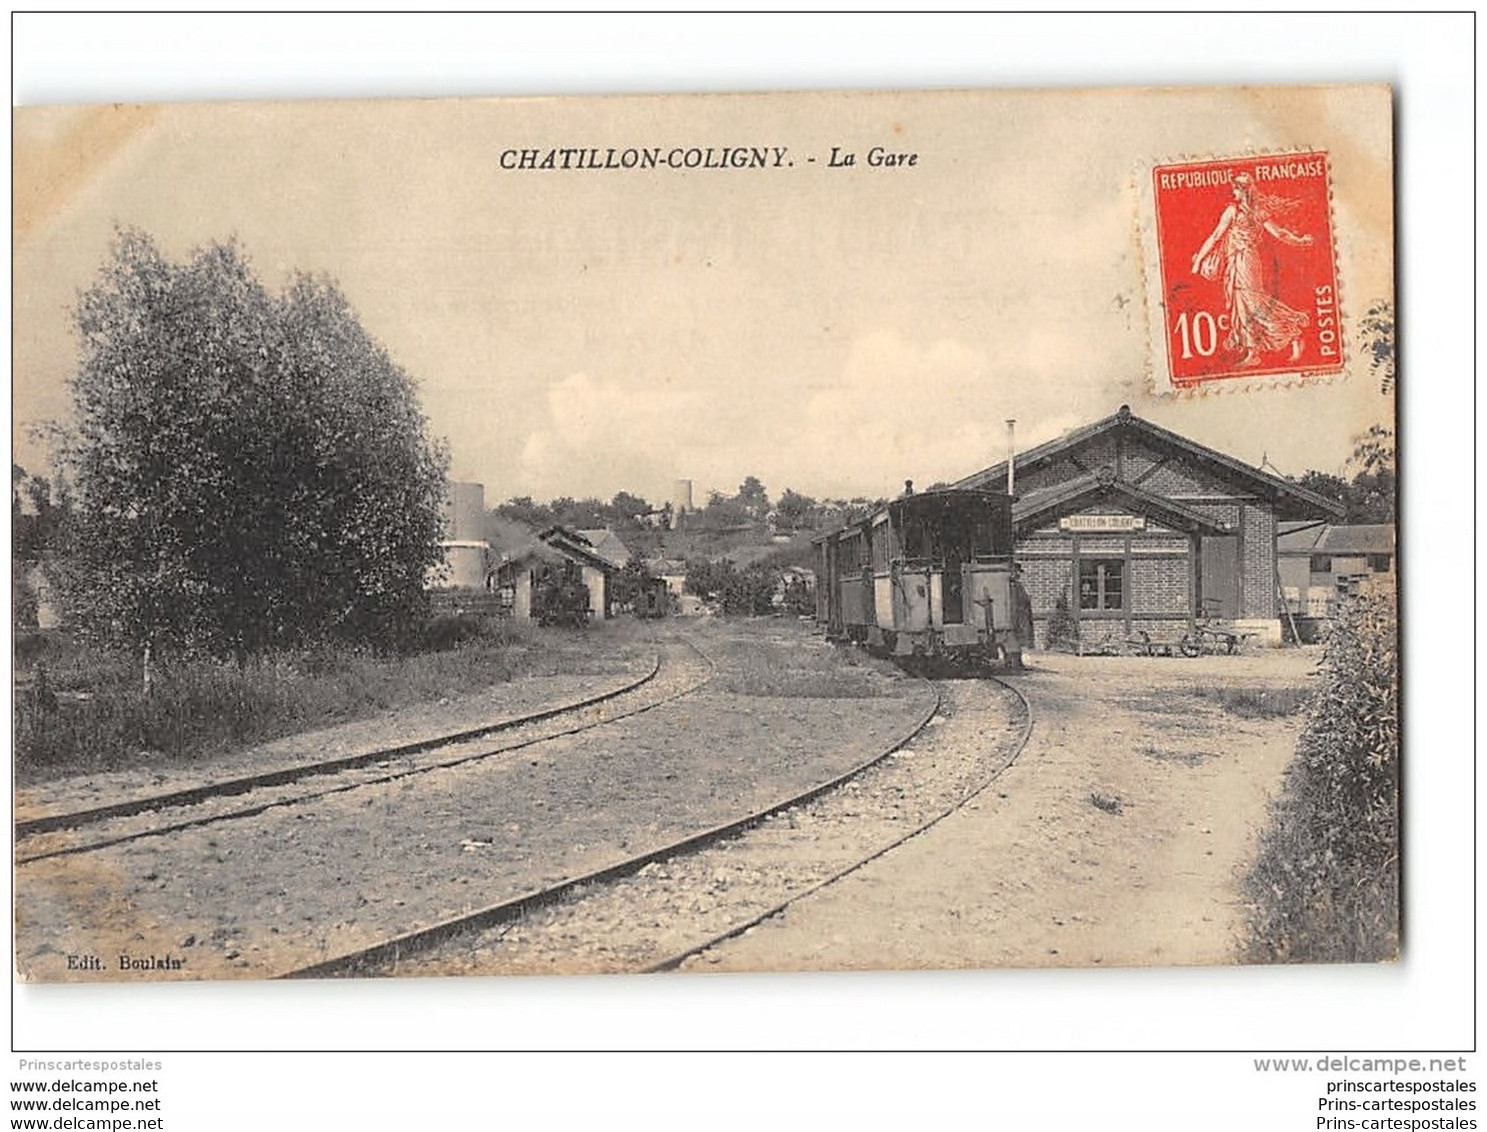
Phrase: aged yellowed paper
(735,532)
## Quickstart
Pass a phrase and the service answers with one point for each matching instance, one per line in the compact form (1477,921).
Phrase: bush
(1063,631)
(627,587)
(1325,887)
(747,592)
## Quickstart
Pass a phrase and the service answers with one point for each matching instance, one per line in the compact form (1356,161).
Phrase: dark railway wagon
(928,575)
(652,598)
(559,597)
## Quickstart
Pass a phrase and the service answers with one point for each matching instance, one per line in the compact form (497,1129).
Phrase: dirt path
(1117,839)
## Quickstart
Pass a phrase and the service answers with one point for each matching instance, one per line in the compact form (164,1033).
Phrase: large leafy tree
(752,496)
(250,470)
(795,508)
(1369,495)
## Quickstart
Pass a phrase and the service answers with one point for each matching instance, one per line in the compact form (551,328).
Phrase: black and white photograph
(732,533)
(876,569)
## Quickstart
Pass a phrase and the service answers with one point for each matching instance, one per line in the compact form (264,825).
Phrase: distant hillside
(742,547)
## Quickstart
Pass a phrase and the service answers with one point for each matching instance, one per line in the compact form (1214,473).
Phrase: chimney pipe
(1011,454)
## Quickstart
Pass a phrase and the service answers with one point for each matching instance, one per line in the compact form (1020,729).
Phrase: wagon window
(916,539)
(981,540)
(991,534)
(852,558)
(1101,583)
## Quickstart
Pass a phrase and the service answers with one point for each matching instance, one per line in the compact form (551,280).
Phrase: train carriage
(927,575)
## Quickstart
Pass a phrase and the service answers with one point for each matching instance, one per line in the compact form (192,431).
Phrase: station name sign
(1102,523)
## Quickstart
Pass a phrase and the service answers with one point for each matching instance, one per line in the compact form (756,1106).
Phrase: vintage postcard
(819,531)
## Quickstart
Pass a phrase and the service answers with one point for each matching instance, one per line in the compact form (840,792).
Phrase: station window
(1321,563)
(1379,563)
(1101,583)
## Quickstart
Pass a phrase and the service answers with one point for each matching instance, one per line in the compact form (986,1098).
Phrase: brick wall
(1044,579)
(1259,561)
(1160,585)
(1158,581)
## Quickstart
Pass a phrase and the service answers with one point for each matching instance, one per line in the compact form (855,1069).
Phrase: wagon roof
(1291,501)
(942,495)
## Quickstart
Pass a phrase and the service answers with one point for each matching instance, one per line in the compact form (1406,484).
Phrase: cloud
(599,436)
(931,411)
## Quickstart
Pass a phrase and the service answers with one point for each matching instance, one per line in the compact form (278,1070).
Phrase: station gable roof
(1290,501)
(1038,508)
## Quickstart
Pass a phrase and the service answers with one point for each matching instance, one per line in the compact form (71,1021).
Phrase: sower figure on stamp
(1258,321)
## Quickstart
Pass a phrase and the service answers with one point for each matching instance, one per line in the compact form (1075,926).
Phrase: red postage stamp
(1248,275)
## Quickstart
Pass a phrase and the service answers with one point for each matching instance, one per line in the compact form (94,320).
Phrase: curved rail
(338,765)
(379,956)
(50,823)
(672,962)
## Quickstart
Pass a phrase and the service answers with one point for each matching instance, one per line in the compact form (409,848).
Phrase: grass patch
(791,664)
(1186,758)
(1257,703)
(81,710)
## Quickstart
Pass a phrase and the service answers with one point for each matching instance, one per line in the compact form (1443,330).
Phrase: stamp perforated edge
(1158,367)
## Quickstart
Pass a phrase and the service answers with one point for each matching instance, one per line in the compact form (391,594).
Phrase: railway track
(679,668)
(608,903)
(1023,731)
(358,870)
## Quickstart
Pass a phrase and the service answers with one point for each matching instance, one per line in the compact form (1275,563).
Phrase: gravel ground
(680,904)
(1118,838)
(294,886)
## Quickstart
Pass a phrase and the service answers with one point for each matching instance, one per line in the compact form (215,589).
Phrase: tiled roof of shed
(1298,538)
(1358,538)
(1319,538)
(607,545)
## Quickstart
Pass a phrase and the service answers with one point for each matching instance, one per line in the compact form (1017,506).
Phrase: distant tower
(681,500)
(465,548)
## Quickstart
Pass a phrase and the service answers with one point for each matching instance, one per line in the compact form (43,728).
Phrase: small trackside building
(1139,529)
(1321,564)
(594,570)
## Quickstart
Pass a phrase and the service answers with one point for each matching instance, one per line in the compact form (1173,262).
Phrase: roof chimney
(1011,454)
(908,487)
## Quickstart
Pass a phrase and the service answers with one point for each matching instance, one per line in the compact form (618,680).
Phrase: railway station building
(1135,529)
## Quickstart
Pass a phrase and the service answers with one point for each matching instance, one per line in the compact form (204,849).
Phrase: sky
(833,330)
